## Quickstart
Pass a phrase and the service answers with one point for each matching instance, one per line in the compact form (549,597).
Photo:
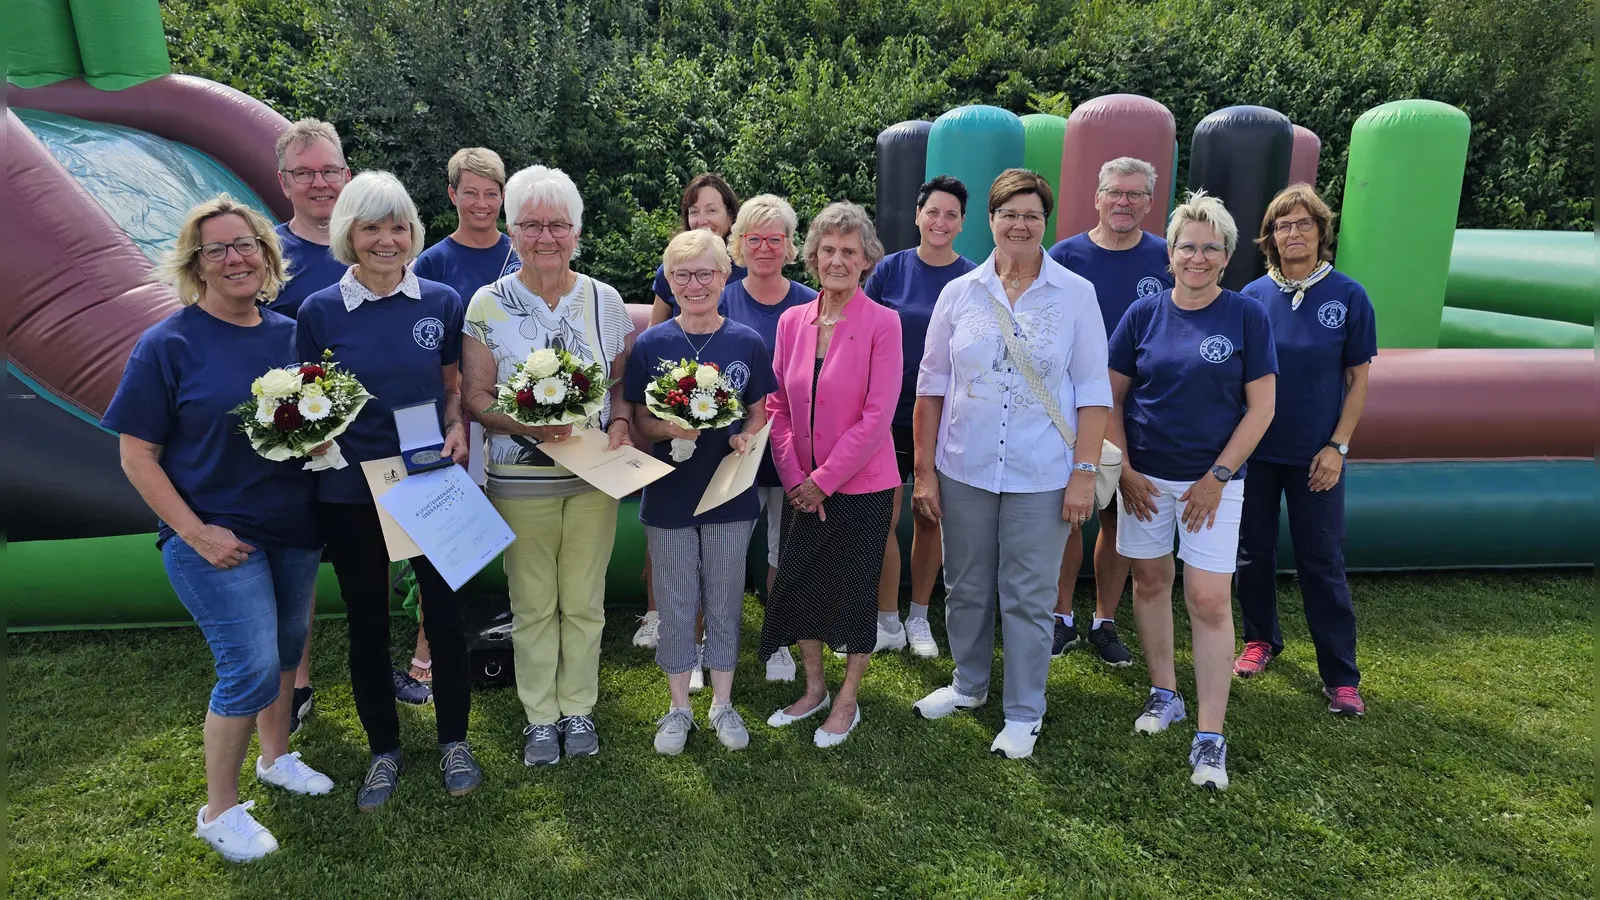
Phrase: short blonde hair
(843,218)
(761,210)
(693,245)
(1199,206)
(372,197)
(181,265)
(303,133)
(480,161)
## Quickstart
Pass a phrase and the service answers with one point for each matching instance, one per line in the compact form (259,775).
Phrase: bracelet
(616,419)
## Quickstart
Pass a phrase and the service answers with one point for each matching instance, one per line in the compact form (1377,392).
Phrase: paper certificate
(383,474)
(451,520)
(616,473)
(736,473)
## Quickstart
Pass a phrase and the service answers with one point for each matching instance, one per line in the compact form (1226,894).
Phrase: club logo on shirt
(513,266)
(428,333)
(1148,286)
(1216,348)
(1331,314)
(738,375)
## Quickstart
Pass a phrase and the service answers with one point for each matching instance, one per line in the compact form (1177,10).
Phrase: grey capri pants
(699,570)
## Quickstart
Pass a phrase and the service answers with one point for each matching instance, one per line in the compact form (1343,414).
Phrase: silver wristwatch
(1089,467)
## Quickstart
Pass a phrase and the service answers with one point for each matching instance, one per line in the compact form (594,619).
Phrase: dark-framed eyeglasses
(682,277)
(1303,225)
(558,230)
(330,175)
(1132,196)
(217,251)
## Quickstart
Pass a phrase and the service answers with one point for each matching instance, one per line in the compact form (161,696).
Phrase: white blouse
(994,434)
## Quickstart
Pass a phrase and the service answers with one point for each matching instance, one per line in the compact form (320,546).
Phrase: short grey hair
(843,218)
(1127,165)
(543,186)
(303,133)
(372,197)
(1199,206)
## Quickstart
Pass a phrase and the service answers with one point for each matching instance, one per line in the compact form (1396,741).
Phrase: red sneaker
(1345,701)
(1253,661)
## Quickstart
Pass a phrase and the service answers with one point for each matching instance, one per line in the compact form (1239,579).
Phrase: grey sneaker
(579,736)
(461,772)
(728,725)
(672,731)
(379,785)
(541,745)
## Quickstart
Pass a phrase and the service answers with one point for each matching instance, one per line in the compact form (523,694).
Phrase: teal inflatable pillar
(975,144)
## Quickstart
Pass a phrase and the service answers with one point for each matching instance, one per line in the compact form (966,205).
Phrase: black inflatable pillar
(902,157)
(1241,154)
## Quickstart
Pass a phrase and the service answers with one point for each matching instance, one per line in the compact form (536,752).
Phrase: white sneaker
(289,773)
(890,640)
(649,633)
(235,834)
(920,635)
(697,675)
(780,666)
(1159,712)
(1210,761)
(945,701)
(1016,740)
(672,731)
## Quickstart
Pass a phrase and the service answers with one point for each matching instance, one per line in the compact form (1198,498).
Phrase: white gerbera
(264,410)
(542,362)
(550,391)
(707,377)
(314,408)
(280,383)
(703,406)
(680,373)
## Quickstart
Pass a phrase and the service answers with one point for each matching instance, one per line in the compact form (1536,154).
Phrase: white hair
(542,186)
(1199,206)
(372,197)
(1126,165)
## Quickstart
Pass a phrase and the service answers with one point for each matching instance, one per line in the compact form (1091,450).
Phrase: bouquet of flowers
(552,387)
(692,395)
(300,407)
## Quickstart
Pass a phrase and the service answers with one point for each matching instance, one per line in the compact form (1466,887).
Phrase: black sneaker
(1113,652)
(1066,639)
(382,777)
(299,708)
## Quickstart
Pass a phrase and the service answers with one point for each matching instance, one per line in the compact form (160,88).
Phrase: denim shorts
(255,617)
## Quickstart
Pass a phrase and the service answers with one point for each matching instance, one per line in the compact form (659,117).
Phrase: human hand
(1138,495)
(1077,505)
(1326,468)
(1200,503)
(219,546)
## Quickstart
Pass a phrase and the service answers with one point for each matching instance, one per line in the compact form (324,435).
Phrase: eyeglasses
(218,250)
(754,241)
(681,277)
(1030,219)
(1132,196)
(558,230)
(1187,250)
(1304,226)
(330,175)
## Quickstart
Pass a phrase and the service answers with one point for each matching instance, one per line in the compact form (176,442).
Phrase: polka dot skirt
(827,583)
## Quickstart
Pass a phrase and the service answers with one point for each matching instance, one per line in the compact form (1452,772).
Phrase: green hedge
(633,98)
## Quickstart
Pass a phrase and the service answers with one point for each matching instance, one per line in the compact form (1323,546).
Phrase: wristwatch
(1222,473)
(1089,467)
(1342,448)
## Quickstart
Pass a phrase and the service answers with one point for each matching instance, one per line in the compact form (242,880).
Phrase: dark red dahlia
(525,399)
(580,382)
(311,372)
(287,417)
(686,383)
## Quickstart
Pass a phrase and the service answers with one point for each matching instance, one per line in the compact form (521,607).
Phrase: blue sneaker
(1209,756)
(382,777)
(409,690)
(461,772)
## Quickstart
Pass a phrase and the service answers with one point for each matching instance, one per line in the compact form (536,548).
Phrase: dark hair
(1281,205)
(945,183)
(692,192)
(1021,181)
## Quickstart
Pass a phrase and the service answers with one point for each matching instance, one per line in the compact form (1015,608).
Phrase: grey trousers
(698,570)
(1006,547)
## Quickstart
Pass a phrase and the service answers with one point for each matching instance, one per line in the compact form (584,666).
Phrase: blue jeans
(255,617)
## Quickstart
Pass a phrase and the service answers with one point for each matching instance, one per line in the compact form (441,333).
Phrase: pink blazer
(855,399)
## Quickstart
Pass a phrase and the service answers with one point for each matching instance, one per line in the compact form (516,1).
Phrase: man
(312,173)
(1124,263)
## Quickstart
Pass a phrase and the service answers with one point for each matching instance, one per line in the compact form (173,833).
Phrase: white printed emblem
(1216,348)
(1148,286)
(1331,314)
(738,375)
(428,333)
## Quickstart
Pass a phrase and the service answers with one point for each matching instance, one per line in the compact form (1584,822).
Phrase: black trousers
(355,546)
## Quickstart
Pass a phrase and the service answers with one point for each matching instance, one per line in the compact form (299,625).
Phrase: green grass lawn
(1469,777)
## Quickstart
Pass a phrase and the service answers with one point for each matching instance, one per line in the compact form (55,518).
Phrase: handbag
(1106,480)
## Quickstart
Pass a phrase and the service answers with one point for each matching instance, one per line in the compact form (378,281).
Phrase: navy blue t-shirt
(311,268)
(466,268)
(397,347)
(1189,369)
(664,290)
(910,287)
(1334,329)
(745,363)
(186,374)
(1119,276)
(738,305)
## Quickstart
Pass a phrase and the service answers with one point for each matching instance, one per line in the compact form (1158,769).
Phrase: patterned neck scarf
(1299,288)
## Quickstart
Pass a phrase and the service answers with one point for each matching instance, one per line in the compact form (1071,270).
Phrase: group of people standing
(988,386)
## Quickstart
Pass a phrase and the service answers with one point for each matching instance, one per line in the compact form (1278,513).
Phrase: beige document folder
(383,474)
(617,473)
(736,473)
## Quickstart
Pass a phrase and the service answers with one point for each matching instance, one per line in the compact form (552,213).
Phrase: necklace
(706,343)
(829,320)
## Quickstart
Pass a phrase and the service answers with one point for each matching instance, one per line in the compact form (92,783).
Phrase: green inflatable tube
(1541,274)
(1402,192)
(1042,137)
(975,144)
(1477,329)
(40,42)
(121,42)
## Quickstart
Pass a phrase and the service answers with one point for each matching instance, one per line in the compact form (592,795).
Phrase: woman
(238,534)
(1193,374)
(556,569)
(1010,418)
(909,282)
(697,561)
(1324,331)
(763,239)
(401,336)
(838,369)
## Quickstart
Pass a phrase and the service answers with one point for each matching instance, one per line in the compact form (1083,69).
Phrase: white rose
(680,373)
(707,377)
(542,363)
(311,389)
(264,411)
(280,383)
